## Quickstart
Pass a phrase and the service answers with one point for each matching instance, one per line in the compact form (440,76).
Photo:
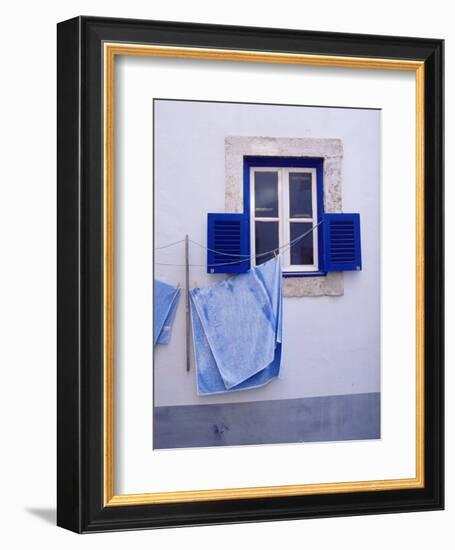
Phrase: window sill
(313,283)
(304,274)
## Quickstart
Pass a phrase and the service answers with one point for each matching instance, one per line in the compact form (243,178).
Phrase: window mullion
(314,212)
(280,207)
(285,216)
(252,219)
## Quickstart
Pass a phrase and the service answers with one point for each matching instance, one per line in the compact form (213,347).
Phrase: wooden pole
(187,303)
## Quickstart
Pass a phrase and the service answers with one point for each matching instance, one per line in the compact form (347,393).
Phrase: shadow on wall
(48,515)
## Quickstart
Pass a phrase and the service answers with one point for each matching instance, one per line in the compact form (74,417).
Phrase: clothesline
(170,244)
(246,257)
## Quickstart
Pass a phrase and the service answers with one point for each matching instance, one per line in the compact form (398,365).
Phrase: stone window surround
(331,150)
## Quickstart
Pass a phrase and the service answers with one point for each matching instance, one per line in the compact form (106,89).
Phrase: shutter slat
(341,242)
(228,239)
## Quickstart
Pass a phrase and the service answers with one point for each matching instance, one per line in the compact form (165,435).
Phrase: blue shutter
(228,239)
(341,242)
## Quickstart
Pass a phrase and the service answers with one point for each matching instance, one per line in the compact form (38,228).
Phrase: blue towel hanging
(237,330)
(166,298)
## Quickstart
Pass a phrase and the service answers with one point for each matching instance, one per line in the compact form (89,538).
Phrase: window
(285,202)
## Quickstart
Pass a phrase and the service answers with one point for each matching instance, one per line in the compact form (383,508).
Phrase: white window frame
(283,218)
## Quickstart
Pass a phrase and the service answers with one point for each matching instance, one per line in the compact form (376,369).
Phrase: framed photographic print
(250,274)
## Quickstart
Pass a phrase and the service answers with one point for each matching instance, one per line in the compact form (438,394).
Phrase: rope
(169,245)
(284,246)
(246,257)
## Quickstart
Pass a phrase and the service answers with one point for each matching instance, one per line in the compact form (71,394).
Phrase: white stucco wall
(332,344)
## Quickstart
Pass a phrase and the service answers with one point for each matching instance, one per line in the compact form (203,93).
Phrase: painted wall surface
(332,344)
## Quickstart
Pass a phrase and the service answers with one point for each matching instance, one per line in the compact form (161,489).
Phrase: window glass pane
(302,250)
(266,194)
(266,238)
(300,199)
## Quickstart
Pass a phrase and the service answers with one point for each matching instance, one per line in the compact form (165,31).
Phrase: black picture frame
(80,475)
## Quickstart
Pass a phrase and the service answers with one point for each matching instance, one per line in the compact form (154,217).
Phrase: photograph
(267,292)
